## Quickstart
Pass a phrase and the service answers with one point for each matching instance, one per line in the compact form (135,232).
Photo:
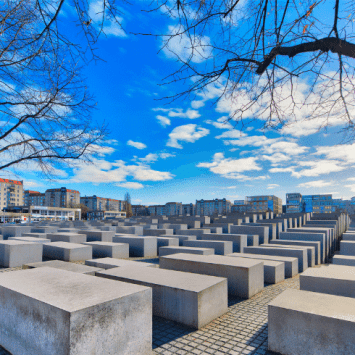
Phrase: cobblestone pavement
(242,330)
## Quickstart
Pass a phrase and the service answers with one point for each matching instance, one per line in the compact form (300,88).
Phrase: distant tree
(128,205)
(84,210)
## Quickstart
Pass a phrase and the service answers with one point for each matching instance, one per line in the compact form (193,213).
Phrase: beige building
(34,198)
(62,197)
(95,203)
(265,203)
(11,193)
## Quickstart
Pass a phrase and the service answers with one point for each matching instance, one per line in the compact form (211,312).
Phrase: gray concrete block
(245,277)
(239,241)
(109,250)
(14,231)
(315,245)
(291,264)
(97,235)
(261,231)
(332,279)
(67,237)
(137,230)
(195,232)
(157,232)
(300,254)
(67,251)
(307,237)
(139,246)
(110,263)
(183,297)
(35,235)
(302,322)
(64,265)
(221,247)
(44,230)
(349,236)
(167,242)
(181,238)
(274,271)
(31,239)
(14,253)
(347,247)
(49,311)
(184,249)
(343,260)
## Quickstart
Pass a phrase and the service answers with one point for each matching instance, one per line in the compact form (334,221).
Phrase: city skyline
(187,150)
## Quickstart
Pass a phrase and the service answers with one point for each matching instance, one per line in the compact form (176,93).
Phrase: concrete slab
(245,277)
(347,247)
(300,254)
(157,232)
(343,260)
(184,249)
(139,246)
(291,264)
(110,263)
(109,250)
(239,241)
(302,322)
(67,251)
(183,297)
(221,247)
(68,313)
(315,245)
(63,265)
(67,237)
(14,253)
(307,237)
(181,237)
(261,231)
(14,231)
(274,271)
(332,279)
(31,239)
(309,250)
(98,235)
(137,230)
(167,242)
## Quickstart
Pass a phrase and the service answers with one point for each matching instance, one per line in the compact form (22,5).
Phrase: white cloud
(222,123)
(151,157)
(290,148)
(345,152)
(109,27)
(137,145)
(351,179)
(231,168)
(316,183)
(186,133)
(197,104)
(351,187)
(194,48)
(276,158)
(272,186)
(282,170)
(191,114)
(166,155)
(100,150)
(255,141)
(164,121)
(231,134)
(318,168)
(131,185)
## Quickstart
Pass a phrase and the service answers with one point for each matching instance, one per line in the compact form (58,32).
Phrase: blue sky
(186,150)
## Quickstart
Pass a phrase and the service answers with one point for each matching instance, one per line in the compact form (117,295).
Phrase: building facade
(265,203)
(140,210)
(156,210)
(62,197)
(188,209)
(95,203)
(100,215)
(296,203)
(173,209)
(34,198)
(210,207)
(11,193)
(241,208)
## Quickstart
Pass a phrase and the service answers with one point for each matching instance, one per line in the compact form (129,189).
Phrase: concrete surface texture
(300,254)
(109,249)
(67,251)
(64,265)
(332,279)
(67,237)
(31,239)
(167,242)
(239,241)
(190,299)
(302,322)
(220,247)
(110,263)
(274,271)
(139,246)
(181,237)
(15,253)
(348,260)
(245,276)
(70,313)
(347,247)
(291,264)
(261,231)
(184,249)
(97,235)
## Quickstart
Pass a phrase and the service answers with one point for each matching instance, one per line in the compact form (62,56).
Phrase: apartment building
(265,203)
(34,198)
(188,209)
(210,207)
(140,210)
(11,193)
(296,202)
(173,209)
(62,197)
(96,203)
(156,210)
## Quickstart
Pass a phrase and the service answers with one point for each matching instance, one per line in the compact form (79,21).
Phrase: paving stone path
(242,330)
